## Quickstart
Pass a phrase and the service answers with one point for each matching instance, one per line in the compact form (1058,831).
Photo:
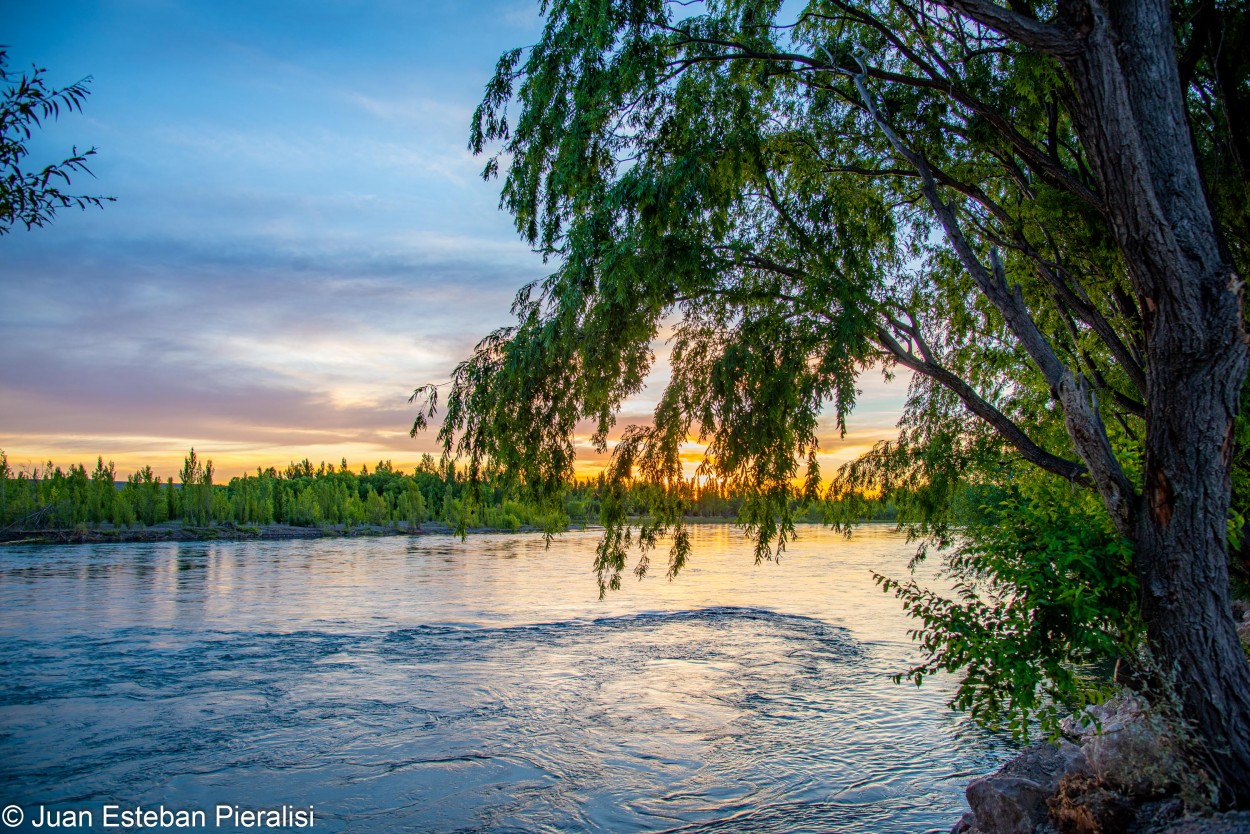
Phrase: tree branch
(1036,157)
(1085,427)
(1046,38)
(1001,423)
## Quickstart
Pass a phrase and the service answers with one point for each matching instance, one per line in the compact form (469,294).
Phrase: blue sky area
(300,236)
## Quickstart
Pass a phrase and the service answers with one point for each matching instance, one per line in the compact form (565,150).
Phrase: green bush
(1044,595)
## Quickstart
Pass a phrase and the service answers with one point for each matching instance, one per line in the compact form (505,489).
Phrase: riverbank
(179,532)
(1119,768)
(176,531)
(228,531)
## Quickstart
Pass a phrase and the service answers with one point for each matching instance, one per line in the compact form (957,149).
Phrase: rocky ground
(1115,771)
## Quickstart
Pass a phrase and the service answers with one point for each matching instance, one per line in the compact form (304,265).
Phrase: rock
(1159,813)
(1008,805)
(1045,763)
(1013,800)
(1137,760)
(1083,805)
(1109,717)
(1126,747)
(1233,822)
(1126,773)
(967,824)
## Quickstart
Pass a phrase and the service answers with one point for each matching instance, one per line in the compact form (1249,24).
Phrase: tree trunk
(1134,128)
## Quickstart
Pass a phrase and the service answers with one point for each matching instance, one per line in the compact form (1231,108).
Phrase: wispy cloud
(300,237)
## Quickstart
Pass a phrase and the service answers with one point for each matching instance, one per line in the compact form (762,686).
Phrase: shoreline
(188,533)
(178,532)
(230,531)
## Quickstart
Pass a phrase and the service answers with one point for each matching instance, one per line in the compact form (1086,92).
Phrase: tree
(196,495)
(1039,209)
(33,197)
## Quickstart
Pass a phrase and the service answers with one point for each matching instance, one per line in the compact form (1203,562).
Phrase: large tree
(1038,209)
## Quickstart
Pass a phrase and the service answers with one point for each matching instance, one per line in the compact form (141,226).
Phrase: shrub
(1043,595)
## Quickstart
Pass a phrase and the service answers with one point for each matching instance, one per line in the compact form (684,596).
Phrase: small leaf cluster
(33,197)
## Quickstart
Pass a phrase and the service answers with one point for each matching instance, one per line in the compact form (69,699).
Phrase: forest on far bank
(49,497)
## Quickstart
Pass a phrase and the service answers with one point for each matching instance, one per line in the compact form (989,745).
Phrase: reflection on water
(430,684)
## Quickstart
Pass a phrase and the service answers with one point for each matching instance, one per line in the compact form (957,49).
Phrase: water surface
(429,684)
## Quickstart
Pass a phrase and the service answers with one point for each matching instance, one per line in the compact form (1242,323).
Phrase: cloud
(242,347)
(300,237)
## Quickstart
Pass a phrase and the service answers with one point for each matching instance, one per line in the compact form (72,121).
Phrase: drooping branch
(944,82)
(1068,291)
(1085,427)
(926,363)
(1079,303)
(1070,295)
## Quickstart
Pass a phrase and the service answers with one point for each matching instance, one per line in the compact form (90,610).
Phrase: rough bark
(1133,125)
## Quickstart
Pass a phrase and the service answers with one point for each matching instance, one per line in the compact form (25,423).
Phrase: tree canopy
(1039,210)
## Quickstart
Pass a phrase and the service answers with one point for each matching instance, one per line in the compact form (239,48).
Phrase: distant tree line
(49,497)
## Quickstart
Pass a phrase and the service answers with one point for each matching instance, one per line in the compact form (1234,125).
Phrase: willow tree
(1011,202)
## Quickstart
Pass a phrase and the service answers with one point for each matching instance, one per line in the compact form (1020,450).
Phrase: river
(430,684)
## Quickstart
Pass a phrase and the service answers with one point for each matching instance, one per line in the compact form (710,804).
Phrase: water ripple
(704,718)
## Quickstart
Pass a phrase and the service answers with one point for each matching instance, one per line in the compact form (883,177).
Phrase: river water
(429,684)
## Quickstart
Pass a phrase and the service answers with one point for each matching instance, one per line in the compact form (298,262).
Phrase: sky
(300,236)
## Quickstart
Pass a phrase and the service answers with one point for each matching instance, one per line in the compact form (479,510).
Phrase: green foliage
(719,170)
(196,495)
(143,495)
(326,496)
(743,179)
(1044,602)
(33,197)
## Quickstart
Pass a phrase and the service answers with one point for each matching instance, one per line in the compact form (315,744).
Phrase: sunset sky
(300,236)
